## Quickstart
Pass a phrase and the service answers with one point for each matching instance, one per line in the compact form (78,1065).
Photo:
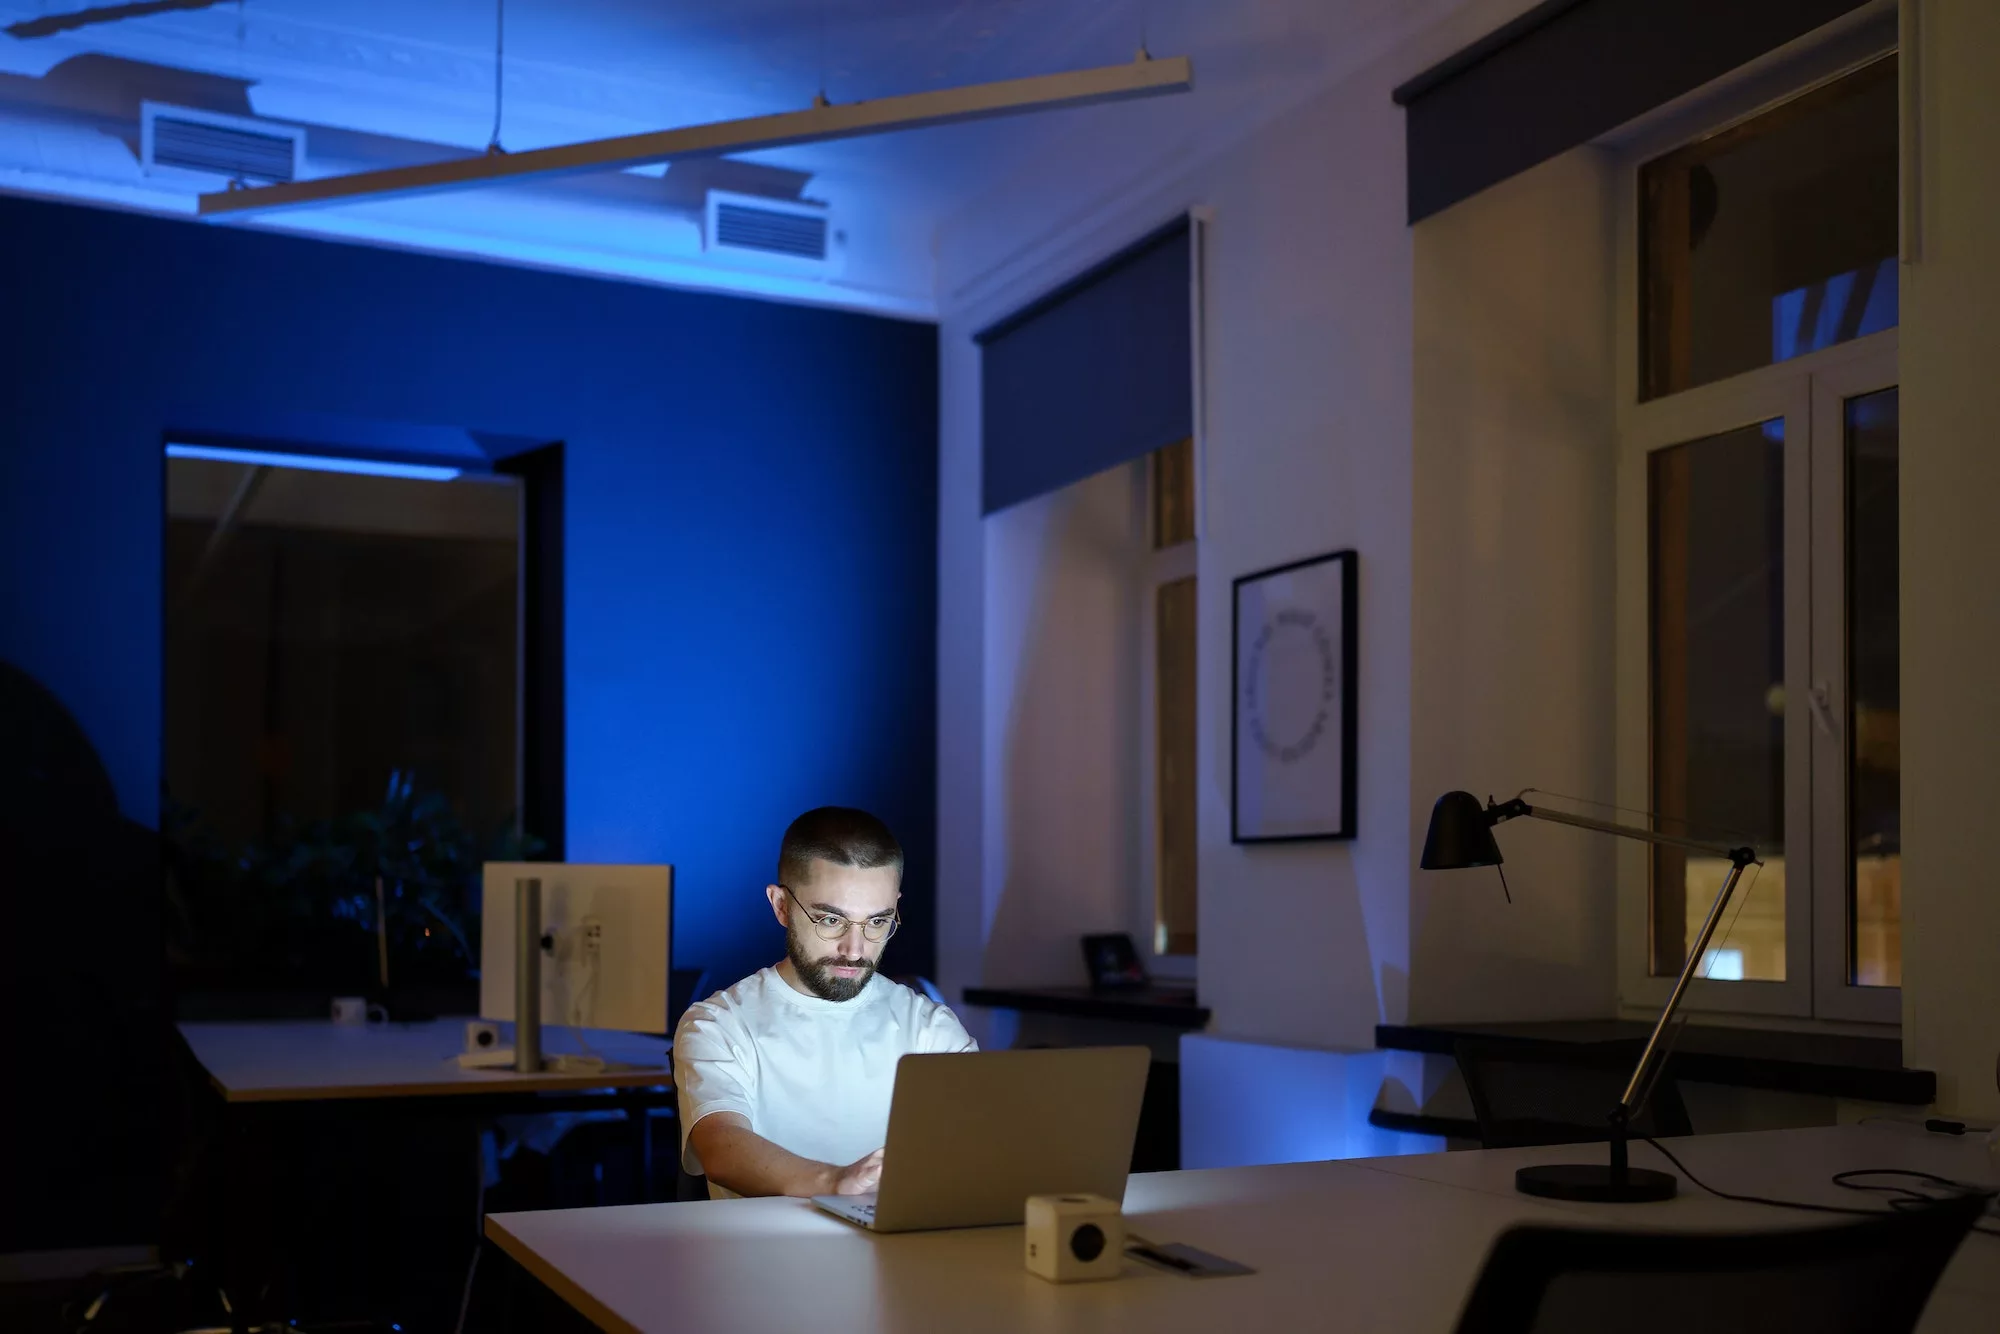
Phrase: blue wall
(751,517)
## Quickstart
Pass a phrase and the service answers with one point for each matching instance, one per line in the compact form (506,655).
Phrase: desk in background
(1159,1004)
(304,1060)
(1364,1244)
(271,1077)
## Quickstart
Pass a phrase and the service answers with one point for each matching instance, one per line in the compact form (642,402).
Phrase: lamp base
(1596,1182)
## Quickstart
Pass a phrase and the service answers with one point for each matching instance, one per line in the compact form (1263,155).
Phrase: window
(341,693)
(1758,555)
(1169,910)
(1871,427)
(1715,561)
(1774,237)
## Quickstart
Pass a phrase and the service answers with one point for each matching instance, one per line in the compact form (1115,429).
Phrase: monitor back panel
(624,984)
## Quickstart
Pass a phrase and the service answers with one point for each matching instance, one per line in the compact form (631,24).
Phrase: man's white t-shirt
(813,1076)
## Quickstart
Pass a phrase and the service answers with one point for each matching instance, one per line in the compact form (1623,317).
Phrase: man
(784,1079)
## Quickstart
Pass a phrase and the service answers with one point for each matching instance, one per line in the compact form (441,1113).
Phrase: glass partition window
(341,702)
(325,631)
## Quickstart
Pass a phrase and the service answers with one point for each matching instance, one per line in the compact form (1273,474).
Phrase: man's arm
(738,1158)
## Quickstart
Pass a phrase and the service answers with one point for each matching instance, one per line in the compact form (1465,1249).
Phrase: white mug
(350,1010)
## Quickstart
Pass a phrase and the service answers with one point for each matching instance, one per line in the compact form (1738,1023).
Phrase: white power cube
(1072,1238)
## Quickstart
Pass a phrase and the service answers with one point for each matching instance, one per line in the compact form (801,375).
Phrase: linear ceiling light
(1144,77)
(422,472)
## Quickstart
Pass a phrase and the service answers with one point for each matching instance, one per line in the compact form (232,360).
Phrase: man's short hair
(837,834)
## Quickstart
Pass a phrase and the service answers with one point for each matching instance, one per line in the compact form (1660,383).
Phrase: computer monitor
(608,933)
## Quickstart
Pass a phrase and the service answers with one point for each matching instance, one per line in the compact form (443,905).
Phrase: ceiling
(387,82)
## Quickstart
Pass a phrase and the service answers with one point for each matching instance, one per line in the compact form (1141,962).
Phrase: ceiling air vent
(782,234)
(236,148)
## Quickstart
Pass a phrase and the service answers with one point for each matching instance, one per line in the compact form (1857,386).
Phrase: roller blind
(1566,72)
(1094,374)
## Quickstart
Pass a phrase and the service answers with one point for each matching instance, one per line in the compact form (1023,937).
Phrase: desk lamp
(1461,836)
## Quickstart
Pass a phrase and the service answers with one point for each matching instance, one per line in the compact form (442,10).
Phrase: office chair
(922,985)
(1866,1277)
(685,986)
(1525,1094)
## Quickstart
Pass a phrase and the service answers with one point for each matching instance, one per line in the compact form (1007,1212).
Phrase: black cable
(1751,1199)
(1907,1198)
(478,1229)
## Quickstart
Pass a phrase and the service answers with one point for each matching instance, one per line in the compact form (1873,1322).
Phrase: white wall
(963,892)
(1306,451)
(1064,577)
(1512,591)
(1950,353)
(1309,338)
(1244,1103)
(1440,399)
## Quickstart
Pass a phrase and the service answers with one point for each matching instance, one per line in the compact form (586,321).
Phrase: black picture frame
(1341,711)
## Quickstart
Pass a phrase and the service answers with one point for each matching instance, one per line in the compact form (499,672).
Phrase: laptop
(973,1134)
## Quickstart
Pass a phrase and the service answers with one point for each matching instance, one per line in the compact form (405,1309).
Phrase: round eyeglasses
(832,926)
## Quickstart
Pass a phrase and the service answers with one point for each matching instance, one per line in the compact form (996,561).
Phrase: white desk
(271,1073)
(317,1060)
(1369,1244)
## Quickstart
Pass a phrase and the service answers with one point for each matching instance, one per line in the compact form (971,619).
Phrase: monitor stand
(526,1056)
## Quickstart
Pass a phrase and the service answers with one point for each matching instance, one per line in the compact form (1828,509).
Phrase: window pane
(1875,765)
(1716,564)
(328,637)
(1173,494)
(1174,888)
(1773,238)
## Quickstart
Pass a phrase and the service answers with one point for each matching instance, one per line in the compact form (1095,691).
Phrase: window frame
(1181,560)
(1834,995)
(1661,424)
(1809,393)
(1163,565)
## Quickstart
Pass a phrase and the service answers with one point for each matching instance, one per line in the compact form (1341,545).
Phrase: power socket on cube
(1074,1238)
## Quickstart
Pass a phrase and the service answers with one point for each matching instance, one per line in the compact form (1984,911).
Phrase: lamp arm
(1510,809)
(1640,1086)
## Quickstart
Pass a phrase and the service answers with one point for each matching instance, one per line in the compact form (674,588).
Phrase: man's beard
(818,976)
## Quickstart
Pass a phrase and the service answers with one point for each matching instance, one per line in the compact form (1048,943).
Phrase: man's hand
(860,1177)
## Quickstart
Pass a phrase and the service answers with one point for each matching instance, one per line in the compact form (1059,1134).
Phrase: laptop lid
(973,1134)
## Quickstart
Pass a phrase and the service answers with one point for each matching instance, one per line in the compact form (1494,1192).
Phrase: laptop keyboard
(867,1209)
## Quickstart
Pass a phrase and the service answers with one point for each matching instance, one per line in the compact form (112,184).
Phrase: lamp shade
(1461,835)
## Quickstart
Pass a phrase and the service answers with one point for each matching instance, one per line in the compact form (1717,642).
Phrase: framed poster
(1292,689)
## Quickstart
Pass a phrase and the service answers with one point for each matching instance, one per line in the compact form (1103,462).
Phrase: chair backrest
(1867,1277)
(920,984)
(1559,1093)
(685,986)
